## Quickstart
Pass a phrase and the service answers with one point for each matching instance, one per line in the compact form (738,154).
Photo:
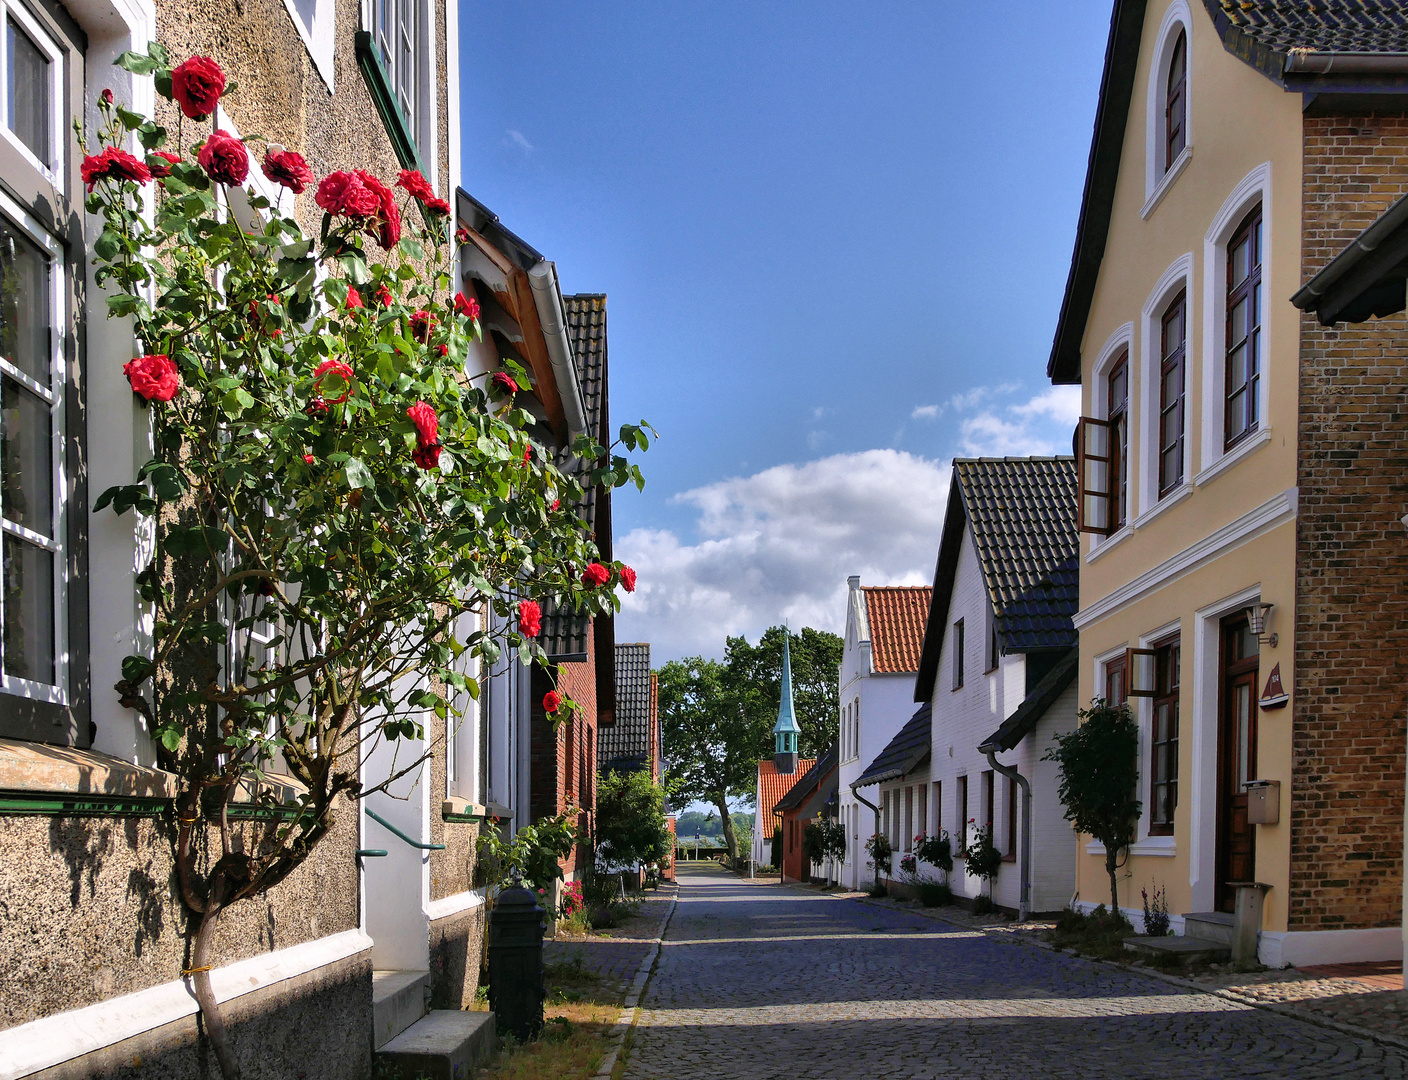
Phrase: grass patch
(1100,934)
(577,1015)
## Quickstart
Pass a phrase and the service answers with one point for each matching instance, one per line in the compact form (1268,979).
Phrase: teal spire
(786,731)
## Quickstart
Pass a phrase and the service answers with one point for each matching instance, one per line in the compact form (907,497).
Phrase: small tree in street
(824,840)
(1099,771)
(630,821)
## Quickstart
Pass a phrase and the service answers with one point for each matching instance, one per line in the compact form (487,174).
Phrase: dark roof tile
(626,743)
(904,753)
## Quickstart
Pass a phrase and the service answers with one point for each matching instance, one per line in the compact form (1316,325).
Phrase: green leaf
(166,479)
(358,475)
(136,63)
(129,118)
(157,51)
(121,304)
(152,135)
(355,268)
(162,82)
(136,668)
(411,249)
(170,738)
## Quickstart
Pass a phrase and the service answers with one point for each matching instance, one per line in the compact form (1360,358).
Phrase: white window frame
(1159,175)
(1144,844)
(320,39)
(1177,278)
(1121,341)
(424,125)
(57,693)
(1254,188)
(54,168)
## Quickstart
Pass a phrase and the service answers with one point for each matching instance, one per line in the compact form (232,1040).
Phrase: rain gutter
(547,298)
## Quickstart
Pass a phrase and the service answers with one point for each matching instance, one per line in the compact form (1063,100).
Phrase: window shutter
(1141,668)
(1093,453)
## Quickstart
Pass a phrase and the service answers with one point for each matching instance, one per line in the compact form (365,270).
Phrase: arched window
(1117,413)
(1243,340)
(1176,102)
(1173,339)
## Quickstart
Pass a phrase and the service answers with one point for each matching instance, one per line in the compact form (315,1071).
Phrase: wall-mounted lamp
(1256,623)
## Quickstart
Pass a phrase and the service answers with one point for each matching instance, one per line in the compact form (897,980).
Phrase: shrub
(984,860)
(935,850)
(1156,921)
(880,852)
(933,893)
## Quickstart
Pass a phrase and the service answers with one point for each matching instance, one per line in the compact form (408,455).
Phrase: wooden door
(1236,760)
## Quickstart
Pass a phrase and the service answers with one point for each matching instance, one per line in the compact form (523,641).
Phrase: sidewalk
(616,954)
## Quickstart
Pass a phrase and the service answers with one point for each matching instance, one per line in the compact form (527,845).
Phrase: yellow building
(1223,136)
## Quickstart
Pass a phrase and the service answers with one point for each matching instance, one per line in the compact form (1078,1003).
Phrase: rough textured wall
(89,909)
(456,953)
(1352,559)
(272,1032)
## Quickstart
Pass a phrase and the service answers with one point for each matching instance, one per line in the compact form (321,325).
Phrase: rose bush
(321,468)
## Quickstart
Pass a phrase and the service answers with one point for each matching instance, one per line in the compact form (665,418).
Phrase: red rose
(415,184)
(197,85)
(287,168)
(443,350)
(504,381)
(161,168)
(308,458)
(341,373)
(628,578)
(421,325)
(427,457)
(596,575)
(106,97)
(316,407)
(552,701)
(388,217)
(113,164)
(438,206)
(384,297)
(344,194)
(555,504)
(426,422)
(530,618)
(467,306)
(528,453)
(461,235)
(354,299)
(224,158)
(154,377)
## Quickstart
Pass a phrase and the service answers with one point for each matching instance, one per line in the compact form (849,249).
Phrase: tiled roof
(1362,26)
(564,633)
(1022,512)
(896,615)
(625,745)
(772,785)
(904,753)
(1042,696)
(814,778)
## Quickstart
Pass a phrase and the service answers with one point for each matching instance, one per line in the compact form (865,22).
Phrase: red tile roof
(772,785)
(897,615)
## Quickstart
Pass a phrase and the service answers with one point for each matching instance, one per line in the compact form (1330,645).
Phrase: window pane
(1241,261)
(29,92)
(26,459)
(24,307)
(28,636)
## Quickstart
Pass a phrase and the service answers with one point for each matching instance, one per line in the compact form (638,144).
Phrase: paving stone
(761,981)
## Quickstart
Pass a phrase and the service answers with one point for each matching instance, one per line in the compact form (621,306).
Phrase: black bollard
(516,990)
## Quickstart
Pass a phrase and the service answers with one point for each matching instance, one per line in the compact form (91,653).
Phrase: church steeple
(785,732)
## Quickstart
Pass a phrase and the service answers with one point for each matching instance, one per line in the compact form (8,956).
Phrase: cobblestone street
(759,981)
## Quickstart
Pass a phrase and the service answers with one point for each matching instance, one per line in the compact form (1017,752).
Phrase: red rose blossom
(388,216)
(384,297)
(443,350)
(197,85)
(427,457)
(316,407)
(530,618)
(415,184)
(344,194)
(224,158)
(528,453)
(154,377)
(308,459)
(596,575)
(552,701)
(339,370)
(461,235)
(113,164)
(438,206)
(161,168)
(287,168)
(504,381)
(106,97)
(421,325)
(426,422)
(628,578)
(555,504)
(467,306)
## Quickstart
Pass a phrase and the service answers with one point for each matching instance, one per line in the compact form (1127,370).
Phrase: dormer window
(1176,102)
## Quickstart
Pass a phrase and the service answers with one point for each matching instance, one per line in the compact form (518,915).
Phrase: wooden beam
(544,380)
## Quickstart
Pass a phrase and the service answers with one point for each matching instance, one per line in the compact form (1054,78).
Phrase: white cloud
(925,412)
(518,139)
(1059,403)
(779,545)
(1041,425)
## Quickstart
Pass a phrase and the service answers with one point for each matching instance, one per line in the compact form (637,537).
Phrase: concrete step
(1215,926)
(445,1044)
(398,1001)
(1189,950)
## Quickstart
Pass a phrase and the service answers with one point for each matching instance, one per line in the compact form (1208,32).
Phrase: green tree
(1099,772)
(630,820)
(755,672)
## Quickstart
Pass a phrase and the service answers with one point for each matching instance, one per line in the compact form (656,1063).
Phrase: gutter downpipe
(547,298)
(861,798)
(1346,63)
(1024,903)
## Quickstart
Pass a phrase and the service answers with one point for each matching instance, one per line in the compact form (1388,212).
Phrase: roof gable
(896,615)
(821,774)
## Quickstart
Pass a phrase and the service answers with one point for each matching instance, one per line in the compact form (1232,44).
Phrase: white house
(884,632)
(997,671)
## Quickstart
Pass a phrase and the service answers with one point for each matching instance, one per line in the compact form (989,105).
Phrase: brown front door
(1236,760)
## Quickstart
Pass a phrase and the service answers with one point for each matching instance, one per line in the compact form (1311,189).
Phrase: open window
(1093,469)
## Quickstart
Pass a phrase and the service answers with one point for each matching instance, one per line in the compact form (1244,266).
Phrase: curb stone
(627,1020)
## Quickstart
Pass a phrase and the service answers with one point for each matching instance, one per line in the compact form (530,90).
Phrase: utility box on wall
(1263,802)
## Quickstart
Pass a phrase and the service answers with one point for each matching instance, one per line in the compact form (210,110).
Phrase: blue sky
(834,245)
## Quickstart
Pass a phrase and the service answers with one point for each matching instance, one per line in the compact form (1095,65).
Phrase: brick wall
(556,778)
(1351,617)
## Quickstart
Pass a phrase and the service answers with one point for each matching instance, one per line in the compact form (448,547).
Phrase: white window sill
(1172,499)
(37,768)
(1167,181)
(1245,448)
(1160,846)
(1103,544)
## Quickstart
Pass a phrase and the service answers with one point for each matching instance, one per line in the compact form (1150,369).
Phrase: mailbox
(1263,802)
